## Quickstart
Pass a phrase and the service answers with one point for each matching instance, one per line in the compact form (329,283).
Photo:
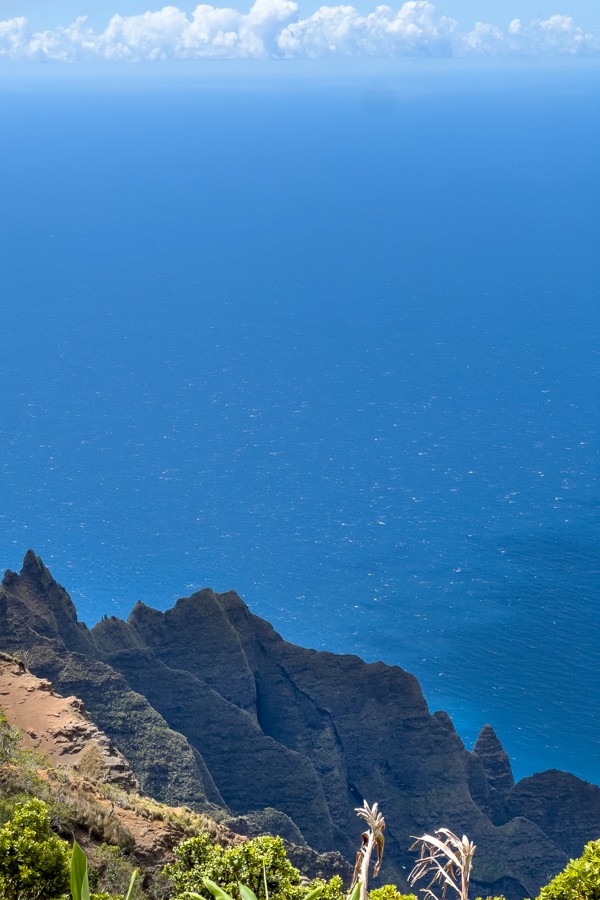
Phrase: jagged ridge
(210,705)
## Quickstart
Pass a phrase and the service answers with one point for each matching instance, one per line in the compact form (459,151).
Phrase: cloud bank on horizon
(273,29)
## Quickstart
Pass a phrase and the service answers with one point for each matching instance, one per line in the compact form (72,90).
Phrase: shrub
(199,858)
(389,892)
(330,890)
(115,832)
(9,804)
(10,740)
(34,863)
(113,872)
(580,880)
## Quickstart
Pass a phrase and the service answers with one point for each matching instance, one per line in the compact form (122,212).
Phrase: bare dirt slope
(56,726)
(97,788)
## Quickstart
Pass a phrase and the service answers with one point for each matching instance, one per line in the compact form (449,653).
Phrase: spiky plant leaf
(132,881)
(316,892)
(80,888)
(246,892)
(355,892)
(217,892)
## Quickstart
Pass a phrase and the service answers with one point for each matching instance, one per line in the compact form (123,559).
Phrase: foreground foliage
(580,880)
(446,860)
(389,892)
(373,839)
(80,887)
(34,862)
(261,865)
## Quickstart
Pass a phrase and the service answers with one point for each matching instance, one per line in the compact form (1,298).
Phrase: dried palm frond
(371,839)
(447,860)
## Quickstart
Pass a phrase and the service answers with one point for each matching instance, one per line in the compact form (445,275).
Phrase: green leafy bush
(199,858)
(34,863)
(247,894)
(330,890)
(580,880)
(10,803)
(389,892)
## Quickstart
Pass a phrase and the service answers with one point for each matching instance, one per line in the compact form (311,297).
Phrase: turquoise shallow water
(336,348)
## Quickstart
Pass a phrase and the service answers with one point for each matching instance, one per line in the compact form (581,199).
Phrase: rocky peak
(111,634)
(444,719)
(199,634)
(34,570)
(33,573)
(35,606)
(495,761)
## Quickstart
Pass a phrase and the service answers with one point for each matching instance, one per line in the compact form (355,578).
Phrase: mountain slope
(211,706)
(52,750)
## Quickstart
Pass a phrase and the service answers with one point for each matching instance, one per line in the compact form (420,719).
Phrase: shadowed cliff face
(210,705)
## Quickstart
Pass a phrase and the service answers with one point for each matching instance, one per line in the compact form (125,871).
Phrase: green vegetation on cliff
(33,860)
(580,880)
(35,864)
(260,864)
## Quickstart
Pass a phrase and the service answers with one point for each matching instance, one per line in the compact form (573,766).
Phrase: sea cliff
(212,708)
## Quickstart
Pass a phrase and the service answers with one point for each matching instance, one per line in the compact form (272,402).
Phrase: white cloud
(413,30)
(558,34)
(273,29)
(13,36)
(152,35)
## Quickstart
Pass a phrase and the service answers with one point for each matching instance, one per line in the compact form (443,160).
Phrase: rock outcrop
(211,706)
(495,761)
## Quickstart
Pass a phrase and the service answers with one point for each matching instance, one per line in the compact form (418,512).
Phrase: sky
(148,30)
(50,13)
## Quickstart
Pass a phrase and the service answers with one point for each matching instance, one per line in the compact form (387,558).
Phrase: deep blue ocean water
(333,343)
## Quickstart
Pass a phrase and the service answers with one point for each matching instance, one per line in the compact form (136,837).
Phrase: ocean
(331,341)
